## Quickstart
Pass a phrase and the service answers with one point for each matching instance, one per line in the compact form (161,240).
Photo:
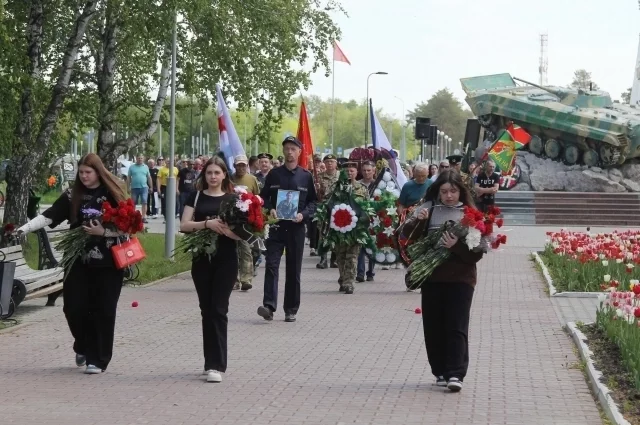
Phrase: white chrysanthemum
(382,185)
(392,211)
(473,238)
(377,192)
(395,193)
(380,257)
(389,231)
(243,205)
(386,176)
(240,189)
(368,251)
(391,186)
(376,221)
(391,258)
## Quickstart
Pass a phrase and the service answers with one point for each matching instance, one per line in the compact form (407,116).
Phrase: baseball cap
(293,140)
(241,159)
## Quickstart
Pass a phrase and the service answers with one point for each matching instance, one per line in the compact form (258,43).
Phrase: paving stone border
(602,392)
(552,289)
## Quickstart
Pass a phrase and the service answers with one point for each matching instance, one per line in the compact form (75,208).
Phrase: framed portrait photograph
(287,204)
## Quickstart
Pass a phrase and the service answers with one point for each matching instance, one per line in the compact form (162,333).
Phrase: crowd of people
(432,195)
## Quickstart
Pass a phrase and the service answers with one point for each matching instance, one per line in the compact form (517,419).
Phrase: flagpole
(333,87)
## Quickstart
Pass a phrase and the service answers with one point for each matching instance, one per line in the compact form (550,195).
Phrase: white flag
(229,141)
(379,139)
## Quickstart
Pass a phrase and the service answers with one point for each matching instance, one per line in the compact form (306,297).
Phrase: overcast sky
(430,44)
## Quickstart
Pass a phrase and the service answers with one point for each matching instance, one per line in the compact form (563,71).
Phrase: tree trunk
(25,150)
(109,148)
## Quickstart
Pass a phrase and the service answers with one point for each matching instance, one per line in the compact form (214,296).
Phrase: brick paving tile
(356,359)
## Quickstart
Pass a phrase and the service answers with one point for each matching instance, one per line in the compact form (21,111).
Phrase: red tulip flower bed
(579,261)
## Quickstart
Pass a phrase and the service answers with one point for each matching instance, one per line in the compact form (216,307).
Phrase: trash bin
(7,271)
(33,206)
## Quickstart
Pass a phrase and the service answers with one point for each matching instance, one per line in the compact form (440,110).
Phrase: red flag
(338,54)
(304,135)
(519,135)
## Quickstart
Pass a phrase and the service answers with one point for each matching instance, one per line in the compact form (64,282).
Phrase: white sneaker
(454,384)
(92,370)
(214,376)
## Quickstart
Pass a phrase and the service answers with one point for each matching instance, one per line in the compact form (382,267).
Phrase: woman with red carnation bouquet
(447,290)
(92,283)
(213,275)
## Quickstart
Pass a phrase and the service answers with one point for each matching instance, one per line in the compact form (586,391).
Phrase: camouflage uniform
(348,254)
(245,265)
(325,183)
(467,180)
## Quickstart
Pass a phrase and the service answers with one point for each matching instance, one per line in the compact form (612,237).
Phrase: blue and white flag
(380,140)
(230,143)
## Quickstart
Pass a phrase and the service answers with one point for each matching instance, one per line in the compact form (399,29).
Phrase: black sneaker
(369,278)
(454,384)
(359,278)
(265,313)
(80,360)
(322,264)
(245,286)
(289,317)
(441,382)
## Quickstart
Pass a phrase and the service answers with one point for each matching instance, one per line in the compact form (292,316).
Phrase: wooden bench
(27,282)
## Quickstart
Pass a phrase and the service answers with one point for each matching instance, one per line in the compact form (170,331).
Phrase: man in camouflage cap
(312,226)
(326,180)
(348,254)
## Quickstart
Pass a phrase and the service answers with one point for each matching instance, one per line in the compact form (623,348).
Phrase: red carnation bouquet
(475,229)
(124,218)
(242,213)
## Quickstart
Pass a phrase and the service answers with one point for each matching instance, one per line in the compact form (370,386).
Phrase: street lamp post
(366,118)
(170,196)
(403,143)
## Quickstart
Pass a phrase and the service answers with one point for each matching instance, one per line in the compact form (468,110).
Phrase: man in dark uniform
(264,165)
(287,234)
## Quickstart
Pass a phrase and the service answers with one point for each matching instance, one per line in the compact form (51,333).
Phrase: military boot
(323,262)
(342,287)
(348,289)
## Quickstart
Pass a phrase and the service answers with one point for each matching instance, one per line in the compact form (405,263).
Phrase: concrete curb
(164,279)
(601,391)
(552,289)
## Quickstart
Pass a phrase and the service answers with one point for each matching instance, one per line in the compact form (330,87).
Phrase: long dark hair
(201,183)
(454,178)
(106,178)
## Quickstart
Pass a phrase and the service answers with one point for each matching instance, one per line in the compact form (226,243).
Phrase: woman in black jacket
(447,293)
(91,289)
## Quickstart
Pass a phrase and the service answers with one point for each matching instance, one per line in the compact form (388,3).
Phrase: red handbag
(128,253)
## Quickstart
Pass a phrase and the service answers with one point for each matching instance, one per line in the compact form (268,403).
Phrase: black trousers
(289,236)
(90,300)
(314,234)
(214,282)
(152,208)
(446,309)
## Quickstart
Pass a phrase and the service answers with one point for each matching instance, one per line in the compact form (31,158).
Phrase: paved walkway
(356,359)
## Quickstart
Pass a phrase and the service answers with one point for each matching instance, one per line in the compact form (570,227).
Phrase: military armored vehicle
(575,126)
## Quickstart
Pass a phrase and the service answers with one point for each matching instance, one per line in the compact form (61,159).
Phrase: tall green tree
(626,96)
(39,41)
(582,80)
(446,112)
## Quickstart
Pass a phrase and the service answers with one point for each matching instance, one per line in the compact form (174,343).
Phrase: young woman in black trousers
(92,288)
(213,278)
(447,293)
